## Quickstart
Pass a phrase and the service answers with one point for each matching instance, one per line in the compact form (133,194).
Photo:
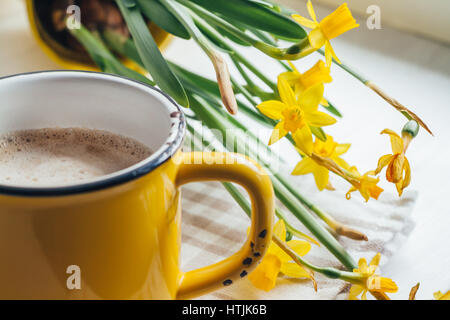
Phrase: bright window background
(429,18)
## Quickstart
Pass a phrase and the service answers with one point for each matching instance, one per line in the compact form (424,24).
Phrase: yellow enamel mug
(120,234)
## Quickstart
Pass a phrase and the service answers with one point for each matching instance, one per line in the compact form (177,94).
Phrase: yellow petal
(293,270)
(272,109)
(311,12)
(330,49)
(375,260)
(303,139)
(399,188)
(341,148)
(321,176)
(394,171)
(407,177)
(362,266)
(375,192)
(289,76)
(381,284)
(319,119)
(299,246)
(265,275)
(286,93)
(364,295)
(355,291)
(310,98)
(304,21)
(324,102)
(382,162)
(280,254)
(298,89)
(277,133)
(328,54)
(396,140)
(279,230)
(441,296)
(305,166)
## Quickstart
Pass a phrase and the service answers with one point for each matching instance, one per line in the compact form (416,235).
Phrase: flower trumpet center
(294,118)
(325,150)
(394,172)
(319,73)
(338,22)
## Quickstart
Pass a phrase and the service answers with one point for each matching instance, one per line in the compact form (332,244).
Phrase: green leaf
(158,14)
(232,37)
(211,34)
(197,80)
(122,45)
(150,55)
(104,59)
(255,15)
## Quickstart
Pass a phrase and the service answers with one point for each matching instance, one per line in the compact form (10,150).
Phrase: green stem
(255,70)
(324,237)
(244,74)
(320,213)
(243,91)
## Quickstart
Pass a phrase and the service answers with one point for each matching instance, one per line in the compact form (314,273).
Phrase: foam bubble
(64,156)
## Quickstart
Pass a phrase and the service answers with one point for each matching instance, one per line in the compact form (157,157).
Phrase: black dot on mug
(247,261)
(262,234)
(256,254)
(243,274)
(227,282)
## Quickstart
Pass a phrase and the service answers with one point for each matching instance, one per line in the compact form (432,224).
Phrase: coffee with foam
(53,157)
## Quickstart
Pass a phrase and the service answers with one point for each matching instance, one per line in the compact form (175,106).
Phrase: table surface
(414,70)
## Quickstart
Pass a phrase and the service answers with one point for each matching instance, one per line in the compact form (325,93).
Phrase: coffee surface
(64,156)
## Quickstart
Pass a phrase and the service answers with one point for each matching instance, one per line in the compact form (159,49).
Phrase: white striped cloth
(214,227)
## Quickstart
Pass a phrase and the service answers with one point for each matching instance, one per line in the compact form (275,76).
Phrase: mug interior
(91,100)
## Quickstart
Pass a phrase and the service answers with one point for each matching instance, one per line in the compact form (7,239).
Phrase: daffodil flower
(442,296)
(365,184)
(398,170)
(332,26)
(264,277)
(369,281)
(296,115)
(326,149)
(317,74)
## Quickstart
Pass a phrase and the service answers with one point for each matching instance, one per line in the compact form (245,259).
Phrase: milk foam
(64,156)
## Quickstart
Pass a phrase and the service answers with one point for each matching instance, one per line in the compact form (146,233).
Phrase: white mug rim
(157,158)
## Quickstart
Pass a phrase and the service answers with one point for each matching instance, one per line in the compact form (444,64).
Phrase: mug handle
(231,167)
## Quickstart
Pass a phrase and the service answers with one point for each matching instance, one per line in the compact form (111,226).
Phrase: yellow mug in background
(39,16)
(118,236)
